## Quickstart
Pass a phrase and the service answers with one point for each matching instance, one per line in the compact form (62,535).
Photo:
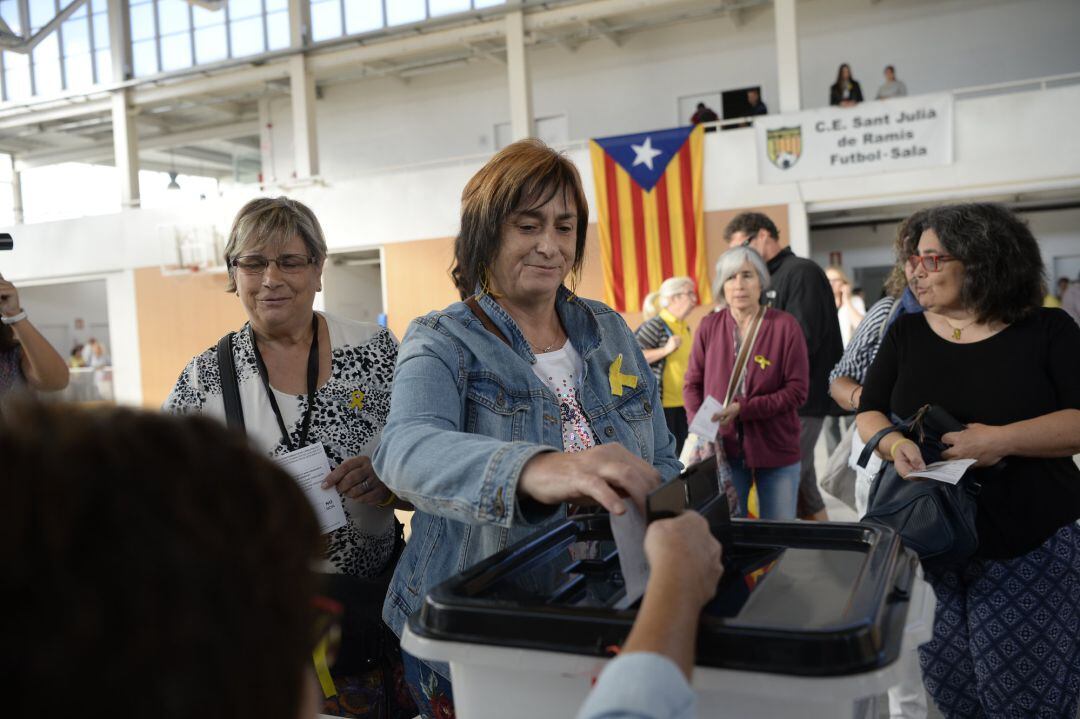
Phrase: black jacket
(799,287)
(836,93)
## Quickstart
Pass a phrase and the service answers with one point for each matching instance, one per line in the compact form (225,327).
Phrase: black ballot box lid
(797,598)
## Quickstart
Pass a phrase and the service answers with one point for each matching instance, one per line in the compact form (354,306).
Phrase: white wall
(606,90)
(54,309)
(353,292)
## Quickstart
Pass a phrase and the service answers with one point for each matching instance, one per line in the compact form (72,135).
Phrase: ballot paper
(309,467)
(703,425)
(629,532)
(950,471)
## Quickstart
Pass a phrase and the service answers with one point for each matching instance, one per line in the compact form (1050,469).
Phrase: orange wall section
(417,274)
(178,318)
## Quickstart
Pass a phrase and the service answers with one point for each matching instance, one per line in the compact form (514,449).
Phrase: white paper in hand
(309,467)
(703,425)
(629,532)
(949,472)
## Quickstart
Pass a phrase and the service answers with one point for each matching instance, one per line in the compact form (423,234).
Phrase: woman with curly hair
(1007,629)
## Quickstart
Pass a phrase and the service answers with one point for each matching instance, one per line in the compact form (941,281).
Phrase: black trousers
(677,425)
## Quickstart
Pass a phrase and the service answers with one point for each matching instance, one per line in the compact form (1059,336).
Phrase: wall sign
(873,137)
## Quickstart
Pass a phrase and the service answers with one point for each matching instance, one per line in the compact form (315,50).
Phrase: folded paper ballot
(703,425)
(948,471)
(309,467)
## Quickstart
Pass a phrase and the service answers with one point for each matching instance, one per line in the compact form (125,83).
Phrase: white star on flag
(644,153)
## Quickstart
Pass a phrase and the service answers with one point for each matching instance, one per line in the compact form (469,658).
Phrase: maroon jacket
(769,407)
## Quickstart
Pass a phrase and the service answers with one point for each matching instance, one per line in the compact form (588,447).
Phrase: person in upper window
(665,341)
(703,113)
(755,103)
(846,91)
(891,87)
(760,427)
(518,401)
(989,355)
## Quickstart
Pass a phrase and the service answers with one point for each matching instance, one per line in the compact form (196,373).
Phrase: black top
(1025,371)
(836,93)
(800,288)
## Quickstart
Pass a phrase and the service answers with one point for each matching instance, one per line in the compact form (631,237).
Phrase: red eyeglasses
(930,263)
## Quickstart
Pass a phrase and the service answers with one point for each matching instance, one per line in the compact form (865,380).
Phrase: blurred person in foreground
(27,360)
(759,428)
(311,378)
(151,566)
(989,355)
(650,679)
(519,400)
(665,340)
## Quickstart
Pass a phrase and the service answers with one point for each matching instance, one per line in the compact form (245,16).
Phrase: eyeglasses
(257,264)
(930,263)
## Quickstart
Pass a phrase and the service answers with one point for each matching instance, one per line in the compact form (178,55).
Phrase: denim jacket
(467,412)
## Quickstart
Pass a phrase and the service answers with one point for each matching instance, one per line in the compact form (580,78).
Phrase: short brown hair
(523,176)
(272,221)
(151,561)
(751,223)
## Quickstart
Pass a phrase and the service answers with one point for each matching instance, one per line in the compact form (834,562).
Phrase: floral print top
(561,372)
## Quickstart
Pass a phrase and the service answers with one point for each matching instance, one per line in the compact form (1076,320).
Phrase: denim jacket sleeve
(640,685)
(425,457)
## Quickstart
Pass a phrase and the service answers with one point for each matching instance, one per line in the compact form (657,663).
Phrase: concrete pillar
(302,91)
(16,196)
(125,131)
(517,70)
(268,174)
(787,55)
(798,229)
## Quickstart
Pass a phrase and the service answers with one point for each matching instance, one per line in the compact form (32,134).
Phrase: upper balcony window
(334,18)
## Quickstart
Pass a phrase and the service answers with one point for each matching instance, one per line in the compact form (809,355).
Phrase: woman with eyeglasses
(310,378)
(665,341)
(1007,629)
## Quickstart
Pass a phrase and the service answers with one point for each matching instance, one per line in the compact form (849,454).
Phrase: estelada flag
(648,188)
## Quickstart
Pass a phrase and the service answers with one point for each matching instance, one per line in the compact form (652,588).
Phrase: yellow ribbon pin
(357,402)
(761,360)
(618,380)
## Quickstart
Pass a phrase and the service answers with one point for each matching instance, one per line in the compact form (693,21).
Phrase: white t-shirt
(561,371)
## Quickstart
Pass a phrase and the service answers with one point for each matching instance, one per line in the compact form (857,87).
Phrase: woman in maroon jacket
(760,426)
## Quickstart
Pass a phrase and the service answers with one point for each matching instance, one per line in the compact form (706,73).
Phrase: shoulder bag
(934,519)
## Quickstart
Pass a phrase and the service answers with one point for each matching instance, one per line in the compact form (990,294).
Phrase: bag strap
(743,358)
(230,388)
(490,326)
(864,456)
(888,318)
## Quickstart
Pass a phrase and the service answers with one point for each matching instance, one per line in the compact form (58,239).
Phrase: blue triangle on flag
(645,155)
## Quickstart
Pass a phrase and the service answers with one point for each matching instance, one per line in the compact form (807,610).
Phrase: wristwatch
(14,318)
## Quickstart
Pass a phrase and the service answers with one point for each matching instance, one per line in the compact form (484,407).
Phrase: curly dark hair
(1004,277)
(905,244)
(521,177)
(751,223)
(150,563)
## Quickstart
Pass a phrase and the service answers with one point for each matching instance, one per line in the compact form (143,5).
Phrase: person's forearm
(655,355)
(846,392)
(47,370)
(1052,435)
(667,622)
(872,422)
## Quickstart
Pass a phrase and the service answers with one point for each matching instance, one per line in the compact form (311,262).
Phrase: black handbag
(934,519)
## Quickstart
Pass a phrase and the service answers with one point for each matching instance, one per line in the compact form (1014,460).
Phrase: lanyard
(312,381)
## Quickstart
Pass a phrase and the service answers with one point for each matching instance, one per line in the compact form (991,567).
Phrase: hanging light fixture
(173,184)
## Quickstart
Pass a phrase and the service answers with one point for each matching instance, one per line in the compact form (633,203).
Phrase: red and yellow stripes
(646,237)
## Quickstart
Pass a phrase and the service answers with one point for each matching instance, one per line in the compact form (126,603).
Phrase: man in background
(800,288)
(892,86)
(704,113)
(757,107)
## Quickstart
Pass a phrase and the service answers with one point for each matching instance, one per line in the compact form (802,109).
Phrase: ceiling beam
(104,151)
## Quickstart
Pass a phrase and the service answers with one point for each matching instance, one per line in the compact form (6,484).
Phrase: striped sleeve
(652,334)
(860,352)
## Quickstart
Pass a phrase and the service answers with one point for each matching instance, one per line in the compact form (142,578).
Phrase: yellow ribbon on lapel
(618,380)
(762,361)
(357,402)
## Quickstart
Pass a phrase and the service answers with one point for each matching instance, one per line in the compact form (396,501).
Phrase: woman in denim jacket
(488,391)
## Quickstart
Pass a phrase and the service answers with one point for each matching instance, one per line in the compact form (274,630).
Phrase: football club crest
(784,145)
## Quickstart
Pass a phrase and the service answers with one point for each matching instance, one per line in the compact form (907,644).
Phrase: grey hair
(730,262)
(270,222)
